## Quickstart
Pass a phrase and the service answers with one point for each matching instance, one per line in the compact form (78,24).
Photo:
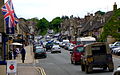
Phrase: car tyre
(82,67)
(72,62)
(75,63)
(87,69)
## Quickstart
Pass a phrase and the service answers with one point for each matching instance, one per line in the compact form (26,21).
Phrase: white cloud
(53,8)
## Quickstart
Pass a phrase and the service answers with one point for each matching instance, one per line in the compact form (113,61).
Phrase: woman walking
(23,52)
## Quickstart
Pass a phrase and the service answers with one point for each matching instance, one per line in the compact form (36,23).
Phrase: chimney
(114,6)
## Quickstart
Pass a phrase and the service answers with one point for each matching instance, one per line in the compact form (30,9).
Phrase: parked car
(40,52)
(56,48)
(49,45)
(116,51)
(64,42)
(96,55)
(36,46)
(76,54)
(114,45)
(66,46)
(70,47)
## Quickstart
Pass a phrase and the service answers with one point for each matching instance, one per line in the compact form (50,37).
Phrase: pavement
(25,68)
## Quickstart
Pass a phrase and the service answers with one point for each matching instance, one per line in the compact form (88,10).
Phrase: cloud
(53,8)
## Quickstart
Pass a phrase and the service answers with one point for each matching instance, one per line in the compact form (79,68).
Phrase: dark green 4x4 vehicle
(96,55)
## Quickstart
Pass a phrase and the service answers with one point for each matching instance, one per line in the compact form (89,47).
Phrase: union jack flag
(9,16)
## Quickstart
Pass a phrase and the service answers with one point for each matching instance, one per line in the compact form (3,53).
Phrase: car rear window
(40,50)
(98,49)
(79,49)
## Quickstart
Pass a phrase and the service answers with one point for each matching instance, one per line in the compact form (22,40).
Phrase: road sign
(11,66)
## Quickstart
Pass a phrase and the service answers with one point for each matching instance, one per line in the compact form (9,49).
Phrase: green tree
(43,25)
(55,24)
(112,27)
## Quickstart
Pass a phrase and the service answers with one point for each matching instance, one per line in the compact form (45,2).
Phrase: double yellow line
(41,70)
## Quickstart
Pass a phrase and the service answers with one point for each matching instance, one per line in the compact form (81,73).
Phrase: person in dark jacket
(14,53)
(23,52)
(10,54)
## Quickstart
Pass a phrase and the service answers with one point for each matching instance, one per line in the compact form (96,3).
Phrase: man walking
(23,52)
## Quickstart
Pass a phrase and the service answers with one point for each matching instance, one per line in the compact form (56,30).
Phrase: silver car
(56,48)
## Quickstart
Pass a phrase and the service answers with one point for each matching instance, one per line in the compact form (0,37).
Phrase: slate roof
(96,22)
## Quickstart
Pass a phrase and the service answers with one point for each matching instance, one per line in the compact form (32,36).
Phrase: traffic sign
(11,66)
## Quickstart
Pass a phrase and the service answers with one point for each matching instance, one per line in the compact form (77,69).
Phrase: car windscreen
(117,44)
(98,49)
(79,49)
(40,50)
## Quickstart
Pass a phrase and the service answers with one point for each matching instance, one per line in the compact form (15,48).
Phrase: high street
(59,64)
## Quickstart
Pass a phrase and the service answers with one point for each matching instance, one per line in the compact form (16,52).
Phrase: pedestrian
(10,55)
(14,53)
(23,52)
(17,50)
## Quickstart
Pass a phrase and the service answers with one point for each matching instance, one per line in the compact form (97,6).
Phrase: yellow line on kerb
(42,70)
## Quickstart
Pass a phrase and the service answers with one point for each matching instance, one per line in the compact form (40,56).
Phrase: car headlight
(118,51)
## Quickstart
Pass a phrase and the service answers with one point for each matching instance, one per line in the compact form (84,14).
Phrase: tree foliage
(43,24)
(112,27)
(55,23)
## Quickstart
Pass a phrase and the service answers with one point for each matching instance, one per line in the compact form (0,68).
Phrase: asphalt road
(59,64)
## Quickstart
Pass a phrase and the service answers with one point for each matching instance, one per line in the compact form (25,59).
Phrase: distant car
(67,45)
(70,47)
(76,54)
(36,46)
(56,48)
(44,43)
(40,52)
(49,45)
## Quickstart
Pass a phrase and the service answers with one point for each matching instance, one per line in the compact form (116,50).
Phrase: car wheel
(75,63)
(71,61)
(87,69)
(45,56)
(82,67)
(110,68)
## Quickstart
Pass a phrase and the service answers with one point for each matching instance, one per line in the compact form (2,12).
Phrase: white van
(85,40)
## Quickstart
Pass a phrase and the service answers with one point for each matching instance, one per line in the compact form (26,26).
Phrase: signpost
(11,67)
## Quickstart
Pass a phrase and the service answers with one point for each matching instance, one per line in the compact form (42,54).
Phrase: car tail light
(90,59)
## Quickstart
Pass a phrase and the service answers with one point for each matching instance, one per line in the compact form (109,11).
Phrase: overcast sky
(54,8)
